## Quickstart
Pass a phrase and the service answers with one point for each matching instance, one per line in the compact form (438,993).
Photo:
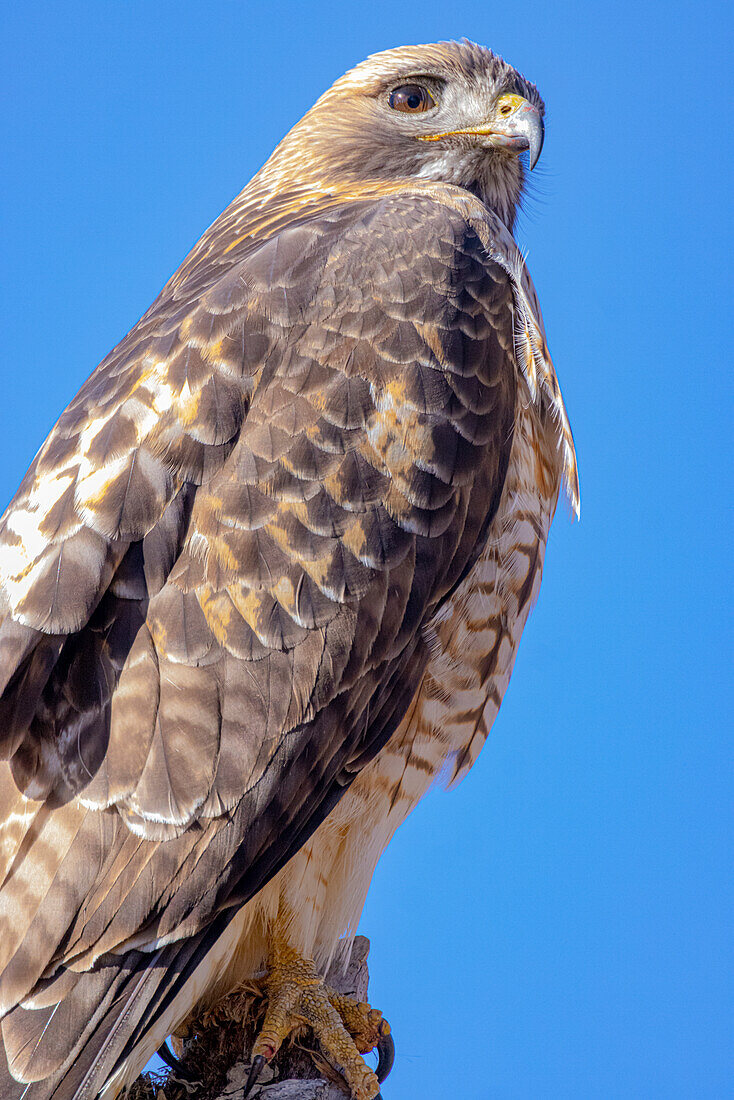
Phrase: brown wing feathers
(254,504)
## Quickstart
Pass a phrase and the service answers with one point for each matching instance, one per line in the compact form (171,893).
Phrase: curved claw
(166,1055)
(258,1065)
(385,1057)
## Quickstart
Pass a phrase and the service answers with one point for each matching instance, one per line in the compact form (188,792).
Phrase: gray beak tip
(535,143)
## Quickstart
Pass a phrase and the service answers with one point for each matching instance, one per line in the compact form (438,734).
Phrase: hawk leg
(345,1028)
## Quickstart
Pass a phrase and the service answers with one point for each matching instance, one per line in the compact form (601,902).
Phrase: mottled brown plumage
(269,571)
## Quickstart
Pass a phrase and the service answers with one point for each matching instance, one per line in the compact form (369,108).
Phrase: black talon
(258,1064)
(385,1057)
(165,1053)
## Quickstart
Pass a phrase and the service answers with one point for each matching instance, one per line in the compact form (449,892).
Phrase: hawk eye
(411,98)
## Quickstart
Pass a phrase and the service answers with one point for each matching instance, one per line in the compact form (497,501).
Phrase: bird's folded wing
(216,572)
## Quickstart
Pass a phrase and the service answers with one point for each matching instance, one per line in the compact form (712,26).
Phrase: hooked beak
(518,128)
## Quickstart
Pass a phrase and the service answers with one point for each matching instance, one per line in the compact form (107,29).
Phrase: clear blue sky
(559,921)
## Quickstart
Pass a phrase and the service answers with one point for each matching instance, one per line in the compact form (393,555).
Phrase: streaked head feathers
(351,135)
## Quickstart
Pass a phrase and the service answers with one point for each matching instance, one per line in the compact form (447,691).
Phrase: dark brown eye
(412,98)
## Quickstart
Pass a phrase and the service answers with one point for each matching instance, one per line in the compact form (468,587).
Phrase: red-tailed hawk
(267,576)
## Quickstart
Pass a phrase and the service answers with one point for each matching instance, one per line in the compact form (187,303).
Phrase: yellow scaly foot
(345,1027)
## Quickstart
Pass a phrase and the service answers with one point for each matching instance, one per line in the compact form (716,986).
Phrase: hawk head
(452,112)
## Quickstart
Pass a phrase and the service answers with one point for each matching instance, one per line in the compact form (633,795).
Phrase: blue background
(556,926)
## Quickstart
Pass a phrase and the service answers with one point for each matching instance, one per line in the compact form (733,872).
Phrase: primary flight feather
(267,576)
